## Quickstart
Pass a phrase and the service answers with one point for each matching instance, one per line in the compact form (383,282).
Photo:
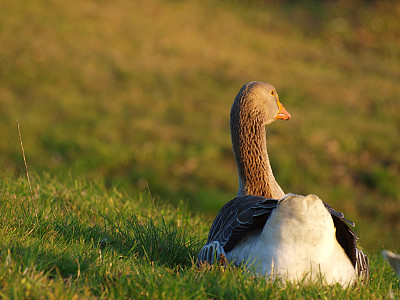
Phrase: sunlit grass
(87,241)
(139,93)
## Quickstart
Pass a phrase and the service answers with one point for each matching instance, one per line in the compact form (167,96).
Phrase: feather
(245,214)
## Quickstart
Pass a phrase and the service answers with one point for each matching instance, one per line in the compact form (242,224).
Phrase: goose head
(260,102)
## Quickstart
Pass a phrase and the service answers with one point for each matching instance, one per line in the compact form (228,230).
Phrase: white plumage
(298,241)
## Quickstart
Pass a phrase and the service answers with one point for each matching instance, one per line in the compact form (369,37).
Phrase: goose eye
(272,93)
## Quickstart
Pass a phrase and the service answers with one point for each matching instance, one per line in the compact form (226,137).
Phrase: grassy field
(135,96)
(77,239)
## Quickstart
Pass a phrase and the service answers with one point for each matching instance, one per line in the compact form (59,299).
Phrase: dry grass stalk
(26,165)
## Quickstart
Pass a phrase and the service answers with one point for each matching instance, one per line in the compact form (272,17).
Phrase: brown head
(260,101)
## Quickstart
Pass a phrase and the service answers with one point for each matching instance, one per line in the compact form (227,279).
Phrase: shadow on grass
(155,240)
(51,261)
(77,248)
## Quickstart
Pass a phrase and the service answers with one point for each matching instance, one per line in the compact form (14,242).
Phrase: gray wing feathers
(234,220)
(241,215)
(211,253)
(362,266)
(338,215)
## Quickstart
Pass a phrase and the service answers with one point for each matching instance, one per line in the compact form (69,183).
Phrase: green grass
(93,242)
(115,99)
(135,98)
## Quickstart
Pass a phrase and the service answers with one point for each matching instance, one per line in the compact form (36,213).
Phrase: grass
(115,99)
(102,94)
(92,242)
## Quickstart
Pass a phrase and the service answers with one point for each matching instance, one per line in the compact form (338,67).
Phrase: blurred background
(138,93)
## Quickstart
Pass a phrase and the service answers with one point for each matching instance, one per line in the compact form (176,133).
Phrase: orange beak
(283,114)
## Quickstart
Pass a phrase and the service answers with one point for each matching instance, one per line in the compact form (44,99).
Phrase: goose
(293,237)
(393,259)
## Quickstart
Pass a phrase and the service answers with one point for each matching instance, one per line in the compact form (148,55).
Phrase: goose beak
(283,114)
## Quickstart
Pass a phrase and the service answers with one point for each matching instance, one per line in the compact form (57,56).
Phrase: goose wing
(238,217)
(347,238)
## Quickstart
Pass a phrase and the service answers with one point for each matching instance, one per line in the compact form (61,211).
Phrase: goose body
(293,237)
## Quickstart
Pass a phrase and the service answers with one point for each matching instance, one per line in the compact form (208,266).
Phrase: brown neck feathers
(250,150)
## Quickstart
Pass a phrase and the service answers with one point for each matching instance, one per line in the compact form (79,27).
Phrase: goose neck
(254,169)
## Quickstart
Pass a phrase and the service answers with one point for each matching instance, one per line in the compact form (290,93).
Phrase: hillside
(137,94)
(77,239)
